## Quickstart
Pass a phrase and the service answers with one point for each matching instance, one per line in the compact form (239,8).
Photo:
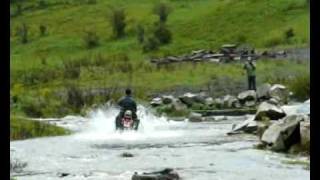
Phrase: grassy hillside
(59,61)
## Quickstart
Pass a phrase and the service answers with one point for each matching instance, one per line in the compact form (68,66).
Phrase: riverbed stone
(280,92)
(167,99)
(281,135)
(270,111)
(247,96)
(166,174)
(209,101)
(251,103)
(188,99)
(195,117)
(305,134)
(156,102)
(263,91)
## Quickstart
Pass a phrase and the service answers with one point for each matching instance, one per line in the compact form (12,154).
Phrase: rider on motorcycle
(126,103)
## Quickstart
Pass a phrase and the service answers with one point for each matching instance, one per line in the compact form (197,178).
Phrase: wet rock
(305,135)
(167,99)
(195,117)
(269,111)
(209,118)
(281,135)
(166,174)
(63,174)
(126,155)
(249,95)
(280,92)
(209,101)
(263,91)
(218,102)
(230,101)
(251,103)
(156,102)
(248,126)
(274,101)
(188,99)
(177,105)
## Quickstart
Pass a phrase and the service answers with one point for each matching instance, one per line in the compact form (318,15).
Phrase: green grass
(22,129)
(40,71)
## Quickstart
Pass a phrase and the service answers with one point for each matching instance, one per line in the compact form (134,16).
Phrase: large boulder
(305,134)
(279,92)
(263,91)
(166,174)
(247,96)
(269,111)
(281,135)
(156,102)
(195,117)
(251,103)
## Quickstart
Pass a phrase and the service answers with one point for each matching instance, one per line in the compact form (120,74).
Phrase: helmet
(127,113)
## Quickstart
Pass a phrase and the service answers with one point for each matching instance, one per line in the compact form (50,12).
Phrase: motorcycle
(127,122)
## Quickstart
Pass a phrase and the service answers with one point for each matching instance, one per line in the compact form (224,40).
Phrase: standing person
(126,103)
(250,67)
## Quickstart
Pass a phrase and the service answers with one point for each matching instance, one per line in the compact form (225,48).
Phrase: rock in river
(280,92)
(166,174)
(156,101)
(247,96)
(270,111)
(263,91)
(195,117)
(283,133)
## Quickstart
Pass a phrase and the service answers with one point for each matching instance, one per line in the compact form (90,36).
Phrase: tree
(162,10)
(117,20)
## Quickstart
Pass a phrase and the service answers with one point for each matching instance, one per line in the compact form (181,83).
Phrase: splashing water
(101,126)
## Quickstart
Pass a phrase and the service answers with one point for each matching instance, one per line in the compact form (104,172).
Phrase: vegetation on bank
(22,129)
(67,55)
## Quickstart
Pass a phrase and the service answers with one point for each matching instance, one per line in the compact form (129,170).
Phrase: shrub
(288,34)
(140,33)
(75,98)
(162,10)
(32,107)
(151,44)
(300,86)
(117,21)
(23,33)
(72,69)
(92,1)
(273,41)
(23,129)
(42,29)
(91,39)
(162,33)
(42,3)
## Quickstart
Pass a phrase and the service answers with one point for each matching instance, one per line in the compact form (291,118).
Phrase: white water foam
(101,126)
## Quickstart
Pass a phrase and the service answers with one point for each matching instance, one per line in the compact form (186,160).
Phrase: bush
(42,29)
(140,33)
(92,1)
(288,34)
(72,69)
(162,33)
(91,40)
(42,3)
(24,129)
(32,107)
(23,33)
(273,41)
(75,99)
(162,10)
(300,86)
(117,21)
(151,44)
(37,76)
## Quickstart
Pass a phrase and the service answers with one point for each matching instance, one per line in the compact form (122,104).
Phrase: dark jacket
(127,103)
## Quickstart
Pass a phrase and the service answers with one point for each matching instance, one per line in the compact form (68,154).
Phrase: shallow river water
(197,151)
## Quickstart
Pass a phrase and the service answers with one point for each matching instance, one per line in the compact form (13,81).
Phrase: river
(197,151)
